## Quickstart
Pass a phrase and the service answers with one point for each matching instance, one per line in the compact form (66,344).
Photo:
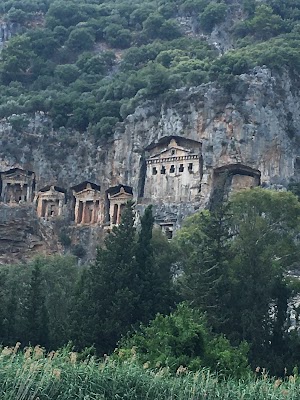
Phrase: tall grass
(33,375)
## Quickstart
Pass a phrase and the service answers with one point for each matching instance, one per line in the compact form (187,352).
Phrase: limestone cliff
(251,132)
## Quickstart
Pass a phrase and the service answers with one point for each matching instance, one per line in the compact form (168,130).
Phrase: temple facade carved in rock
(171,177)
(118,197)
(173,170)
(17,186)
(88,203)
(50,201)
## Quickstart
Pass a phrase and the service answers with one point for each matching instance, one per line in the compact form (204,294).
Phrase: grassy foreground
(32,375)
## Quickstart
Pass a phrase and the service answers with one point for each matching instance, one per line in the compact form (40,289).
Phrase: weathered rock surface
(7,30)
(255,126)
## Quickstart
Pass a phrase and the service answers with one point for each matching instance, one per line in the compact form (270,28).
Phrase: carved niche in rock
(17,186)
(173,170)
(232,178)
(167,228)
(89,205)
(50,201)
(118,197)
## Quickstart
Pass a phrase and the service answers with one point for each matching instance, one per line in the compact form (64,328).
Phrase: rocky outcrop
(251,130)
(20,236)
(256,126)
(7,30)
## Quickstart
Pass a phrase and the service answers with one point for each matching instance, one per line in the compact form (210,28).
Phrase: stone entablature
(50,201)
(172,159)
(118,197)
(89,205)
(17,186)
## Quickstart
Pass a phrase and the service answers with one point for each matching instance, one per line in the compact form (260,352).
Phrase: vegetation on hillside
(88,63)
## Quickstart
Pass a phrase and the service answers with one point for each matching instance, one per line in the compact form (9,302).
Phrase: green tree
(155,278)
(117,36)
(193,7)
(182,339)
(265,23)
(157,79)
(80,39)
(37,315)
(43,42)
(60,274)
(105,126)
(234,268)
(265,228)
(16,59)
(152,25)
(64,13)
(214,13)
(67,73)
(204,253)
(113,288)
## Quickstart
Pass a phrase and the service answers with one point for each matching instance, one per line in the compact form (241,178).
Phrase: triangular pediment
(122,195)
(87,192)
(171,152)
(17,173)
(86,185)
(51,193)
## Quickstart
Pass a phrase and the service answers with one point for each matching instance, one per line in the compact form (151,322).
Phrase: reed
(33,375)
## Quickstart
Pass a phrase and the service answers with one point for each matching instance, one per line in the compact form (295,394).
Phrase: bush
(65,239)
(67,73)
(117,36)
(18,122)
(105,126)
(213,14)
(80,39)
(182,339)
(79,251)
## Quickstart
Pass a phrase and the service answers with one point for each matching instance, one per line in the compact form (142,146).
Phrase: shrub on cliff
(213,14)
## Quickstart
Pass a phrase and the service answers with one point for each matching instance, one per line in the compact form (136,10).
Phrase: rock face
(7,30)
(239,139)
(20,234)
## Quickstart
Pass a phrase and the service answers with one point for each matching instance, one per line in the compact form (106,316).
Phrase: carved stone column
(43,211)
(60,206)
(4,192)
(21,194)
(83,212)
(28,193)
(76,211)
(94,215)
(119,214)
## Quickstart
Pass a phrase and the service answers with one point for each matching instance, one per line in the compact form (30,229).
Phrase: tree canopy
(235,262)
(127,52)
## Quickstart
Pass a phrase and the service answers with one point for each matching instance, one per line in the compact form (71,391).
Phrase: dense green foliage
(183,340)
(124,286)
(234,262)
(88,63)
(36,301)
(229,265)
(32,375)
